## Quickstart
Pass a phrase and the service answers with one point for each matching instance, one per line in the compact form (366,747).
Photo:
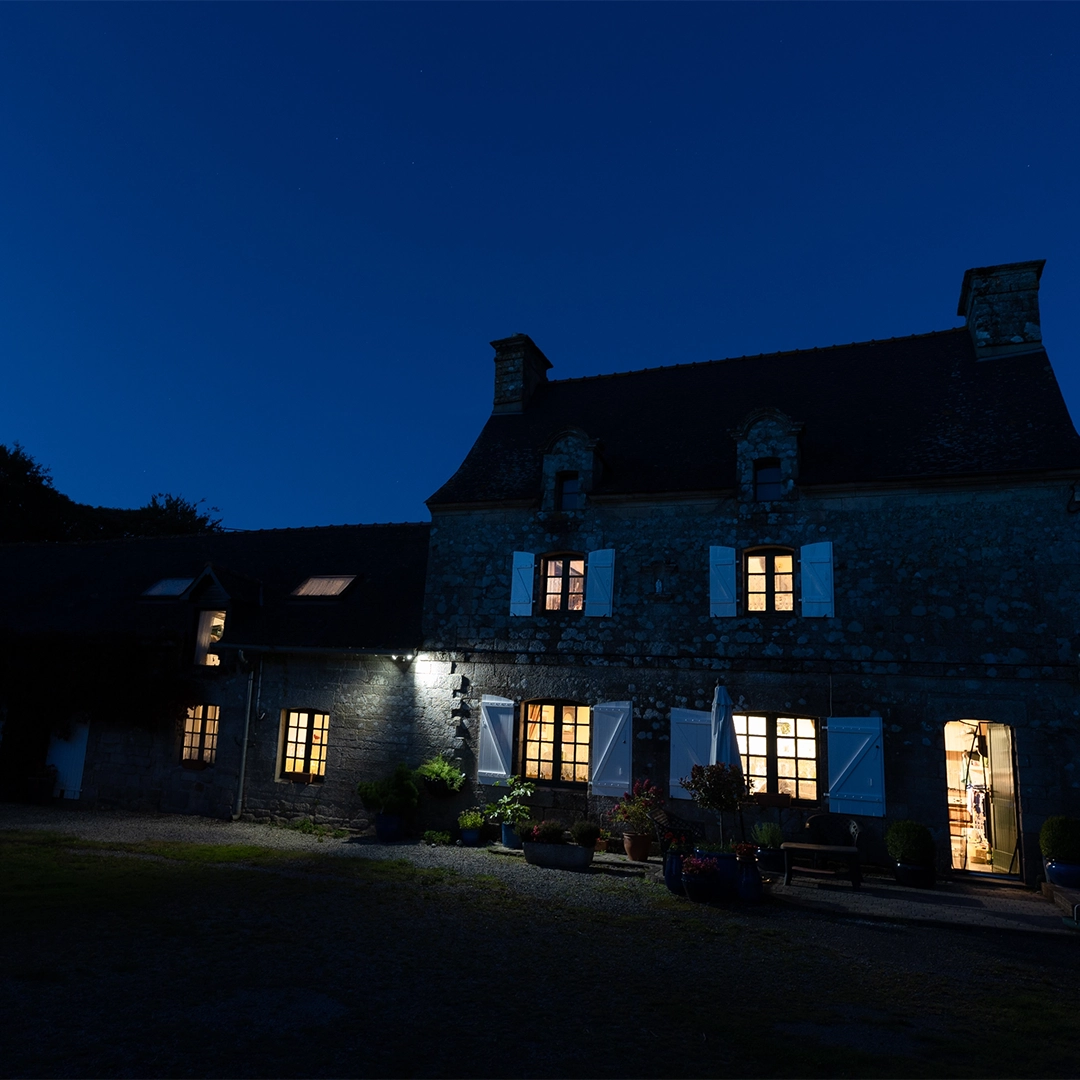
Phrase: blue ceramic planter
(388,828)
(1063,874)
(510,838)
(673,873)
(470,837)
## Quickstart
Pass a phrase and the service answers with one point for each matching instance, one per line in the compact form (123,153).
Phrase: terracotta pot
(637,845)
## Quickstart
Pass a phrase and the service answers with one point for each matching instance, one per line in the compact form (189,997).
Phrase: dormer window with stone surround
(568,493)
(767,479)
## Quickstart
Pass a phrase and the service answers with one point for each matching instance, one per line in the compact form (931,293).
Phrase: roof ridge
(755,356)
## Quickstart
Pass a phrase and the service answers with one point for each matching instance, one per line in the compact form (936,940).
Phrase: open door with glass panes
(983,814)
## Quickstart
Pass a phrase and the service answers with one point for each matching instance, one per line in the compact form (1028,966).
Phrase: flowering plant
(542,832)
(746,852)
(677,844)
(633,811)
(695,867)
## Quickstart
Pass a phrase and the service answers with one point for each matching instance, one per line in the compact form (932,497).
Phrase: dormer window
(325,585)
(568,493)
(210,630)
(767,479)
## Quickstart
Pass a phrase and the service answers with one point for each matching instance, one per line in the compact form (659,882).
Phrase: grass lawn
(198,960)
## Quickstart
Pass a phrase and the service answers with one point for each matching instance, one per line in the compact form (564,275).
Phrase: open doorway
(983,823)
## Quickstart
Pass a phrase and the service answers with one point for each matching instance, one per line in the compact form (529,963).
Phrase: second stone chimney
(520,367)
(1001,306)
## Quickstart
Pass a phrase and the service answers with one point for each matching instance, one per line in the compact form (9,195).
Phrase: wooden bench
(835,852)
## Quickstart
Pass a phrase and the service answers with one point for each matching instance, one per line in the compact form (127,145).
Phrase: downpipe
(238,808)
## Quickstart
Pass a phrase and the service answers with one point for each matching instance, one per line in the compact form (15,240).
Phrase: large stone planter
(558,856)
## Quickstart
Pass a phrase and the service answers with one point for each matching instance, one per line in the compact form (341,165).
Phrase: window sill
(195,766)
(301,778)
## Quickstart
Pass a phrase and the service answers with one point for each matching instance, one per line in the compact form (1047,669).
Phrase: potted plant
(675,847)
(633,813)
(508,811)
(1059,841)
(720,788)
(911,847)
(585,833)
(748,885)
(768,837)
(699,878)
(442,778)
(393,800)
(470,822)
(545,845)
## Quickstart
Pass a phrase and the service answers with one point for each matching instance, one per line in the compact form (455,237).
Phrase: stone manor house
(874,547)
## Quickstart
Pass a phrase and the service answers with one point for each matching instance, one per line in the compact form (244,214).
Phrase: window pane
(808,769)
(755,583)
(581,773)
(807,748)
(575,602)
(782,583)
(784,725)
(785,786)
(545,770)
(807,790)
(783,564)
(758,766)
(577,567)
(804,728)
(785,767)
(566,771)
(755,564)
(785,748)
(756,725)
(784,602)
(756,602)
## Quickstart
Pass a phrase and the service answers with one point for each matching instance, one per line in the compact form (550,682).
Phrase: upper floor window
(564,582)
(553,743)
(324,585)
(211,628)
(770,578)
(200,736)
(568,493)
(767,479)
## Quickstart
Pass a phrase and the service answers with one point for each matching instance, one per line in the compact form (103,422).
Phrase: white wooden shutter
(722,582)
(69,755)
(521,583)
(691,744)
(495,753)
(816,566)
(856,766)
(600,582)
(611,726)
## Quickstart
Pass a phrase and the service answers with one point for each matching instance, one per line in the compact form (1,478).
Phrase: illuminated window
(304,745)
(770,581)
(211,627)
(767,479)
(553,744)
(568,493)
(564,582)
(200,736)
(779,753)
(324,586)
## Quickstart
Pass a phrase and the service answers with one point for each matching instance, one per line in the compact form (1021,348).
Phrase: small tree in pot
(911,847)
(393,800)
(508,811)
(720,788)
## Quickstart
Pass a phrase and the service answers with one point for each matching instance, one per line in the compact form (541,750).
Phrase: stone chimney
(1001,306)
(520,367)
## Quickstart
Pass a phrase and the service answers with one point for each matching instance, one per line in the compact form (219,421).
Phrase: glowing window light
(779,753)
(200,736)
(305,743)
(555,742)
(325,585)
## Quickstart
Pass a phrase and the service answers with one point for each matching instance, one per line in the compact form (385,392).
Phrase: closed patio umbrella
(725,746)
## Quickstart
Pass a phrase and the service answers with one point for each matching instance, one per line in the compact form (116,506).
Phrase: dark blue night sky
(255,253)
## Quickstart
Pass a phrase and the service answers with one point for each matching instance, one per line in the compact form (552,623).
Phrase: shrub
(910,842)
(585,833)
(440,769)
(508,809)
(543,832)
(767,834)
(396,794)
(436,839)
(1059,839)
(470,819)
(634,810)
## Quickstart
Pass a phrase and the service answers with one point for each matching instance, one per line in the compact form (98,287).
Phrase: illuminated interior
(201,734)
(982,806)
(564,584)
(779,753)
(556,743)
(305,743)
(770,582)
(211,629)
(324,585)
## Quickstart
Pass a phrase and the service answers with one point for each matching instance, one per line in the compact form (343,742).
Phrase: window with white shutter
(600,583)
(496,742)
(691,744)
(816,568)
(722,582)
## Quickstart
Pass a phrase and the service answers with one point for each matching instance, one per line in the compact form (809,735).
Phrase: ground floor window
(779,753)
(200,736)
(304,745)
(553,742)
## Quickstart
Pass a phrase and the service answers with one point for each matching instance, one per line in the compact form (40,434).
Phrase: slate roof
(98,587)
(906,408)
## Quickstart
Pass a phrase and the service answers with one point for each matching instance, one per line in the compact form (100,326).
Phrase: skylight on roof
(170,586)
(324,586)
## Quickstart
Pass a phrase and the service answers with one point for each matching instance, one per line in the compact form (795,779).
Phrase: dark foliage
(910,842)
(32,510)
(1059,839)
